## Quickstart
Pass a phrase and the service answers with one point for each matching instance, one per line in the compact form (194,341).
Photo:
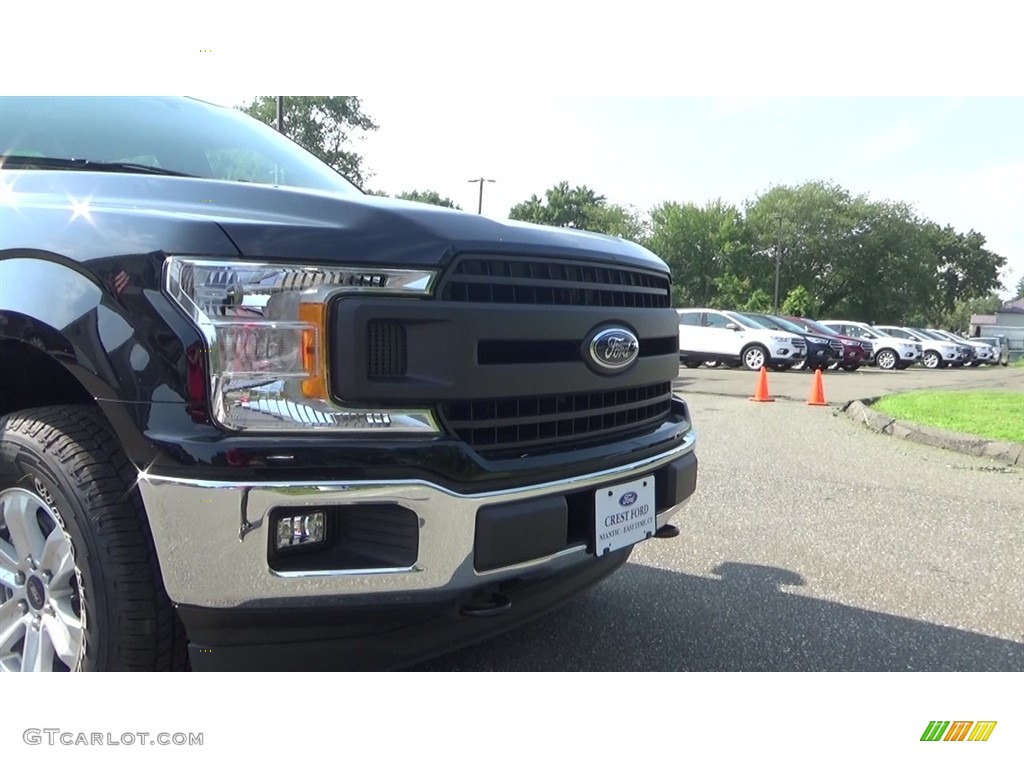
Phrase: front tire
(932,360)
(887,360)
(80,586)
(755,357)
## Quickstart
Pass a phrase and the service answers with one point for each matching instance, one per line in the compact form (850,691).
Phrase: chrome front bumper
(212,537)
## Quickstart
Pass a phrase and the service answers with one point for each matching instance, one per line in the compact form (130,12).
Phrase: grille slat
(553,282)
(553,422)
(558,415)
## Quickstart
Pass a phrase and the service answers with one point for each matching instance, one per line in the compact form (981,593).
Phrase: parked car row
(755,340)
(934,348)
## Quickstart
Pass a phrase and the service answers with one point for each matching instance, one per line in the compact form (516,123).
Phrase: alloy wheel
(886,360)
(754,358)
(42,617)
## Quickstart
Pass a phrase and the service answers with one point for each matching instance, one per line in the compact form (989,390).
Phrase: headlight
(782,339)
(818,340)
(265,327)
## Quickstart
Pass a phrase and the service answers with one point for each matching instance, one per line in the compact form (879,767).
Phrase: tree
(959,317)
(814,232)
(581,208)
(876,261)
(562,206)
(428,196)
(965,268)
(800,303)
(619,221)
(1019,291)
(702,246)
(322,125)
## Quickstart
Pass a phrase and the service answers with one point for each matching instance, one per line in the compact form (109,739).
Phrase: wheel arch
(67,337)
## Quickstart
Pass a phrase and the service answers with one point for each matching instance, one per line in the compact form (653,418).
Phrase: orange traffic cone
(817,389)
(761,393)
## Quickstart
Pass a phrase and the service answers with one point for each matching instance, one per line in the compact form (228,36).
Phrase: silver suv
(887,352)
(1000,345)
(937,352)
(983,353)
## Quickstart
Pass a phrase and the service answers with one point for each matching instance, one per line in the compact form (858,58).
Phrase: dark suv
(850,353)
(820,352)
(246,406)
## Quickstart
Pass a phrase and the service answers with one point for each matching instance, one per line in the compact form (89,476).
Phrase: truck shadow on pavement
(648,619)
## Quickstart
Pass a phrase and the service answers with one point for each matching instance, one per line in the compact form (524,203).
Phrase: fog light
(296,530)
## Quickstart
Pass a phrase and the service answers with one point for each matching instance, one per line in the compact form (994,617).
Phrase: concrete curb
(1011,454)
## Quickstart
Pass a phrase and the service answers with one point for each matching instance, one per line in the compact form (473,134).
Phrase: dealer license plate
(624,514)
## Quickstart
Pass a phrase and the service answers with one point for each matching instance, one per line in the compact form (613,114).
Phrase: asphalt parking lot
(841,387)
(811,544)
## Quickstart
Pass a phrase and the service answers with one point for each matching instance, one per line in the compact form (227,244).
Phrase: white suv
(936,353)
(983,353)
(707,335)
(888,352)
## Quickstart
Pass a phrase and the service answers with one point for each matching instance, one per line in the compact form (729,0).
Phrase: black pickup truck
(252,418)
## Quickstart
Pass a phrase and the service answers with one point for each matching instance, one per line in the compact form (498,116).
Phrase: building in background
(1008,321)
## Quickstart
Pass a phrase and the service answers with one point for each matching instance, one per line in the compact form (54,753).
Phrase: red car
(855,354)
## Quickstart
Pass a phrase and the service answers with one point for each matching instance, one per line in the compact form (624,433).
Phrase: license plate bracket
(624,514)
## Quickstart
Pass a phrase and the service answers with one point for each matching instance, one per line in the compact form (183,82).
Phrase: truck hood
(291,224)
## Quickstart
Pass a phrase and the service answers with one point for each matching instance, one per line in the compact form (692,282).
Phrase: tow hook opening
(484,604)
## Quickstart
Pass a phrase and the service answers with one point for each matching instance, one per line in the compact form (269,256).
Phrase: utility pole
(778,263)
(480,201)
(280,114)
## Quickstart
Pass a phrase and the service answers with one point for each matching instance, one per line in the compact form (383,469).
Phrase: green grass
(998,415)
(1018,363)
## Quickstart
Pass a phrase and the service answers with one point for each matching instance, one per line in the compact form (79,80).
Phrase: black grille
(837,346)
(553,282)
(517,425)
(385,350)
(531,352)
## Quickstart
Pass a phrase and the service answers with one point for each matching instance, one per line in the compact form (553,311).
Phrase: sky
(959,161)
(643,102)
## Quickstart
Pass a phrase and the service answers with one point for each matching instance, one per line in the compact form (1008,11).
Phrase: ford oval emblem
(613,349)
(628,498)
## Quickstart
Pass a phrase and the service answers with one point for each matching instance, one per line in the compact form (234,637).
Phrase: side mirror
(732,327)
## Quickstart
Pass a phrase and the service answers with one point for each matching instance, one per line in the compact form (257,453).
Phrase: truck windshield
(176,136)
